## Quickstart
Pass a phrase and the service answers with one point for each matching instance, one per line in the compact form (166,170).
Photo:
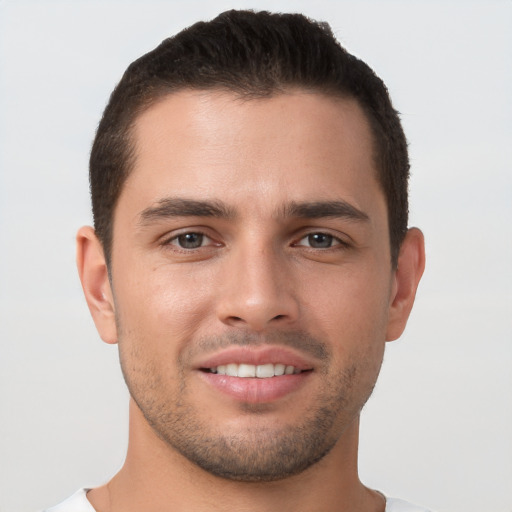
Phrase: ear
(411,263)
(92,269)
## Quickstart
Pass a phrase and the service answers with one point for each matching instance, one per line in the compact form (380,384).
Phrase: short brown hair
(253,54)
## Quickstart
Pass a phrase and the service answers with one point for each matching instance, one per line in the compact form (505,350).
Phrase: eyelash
(335,242)
(175,238)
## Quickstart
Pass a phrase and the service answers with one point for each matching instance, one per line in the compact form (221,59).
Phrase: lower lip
(254,390)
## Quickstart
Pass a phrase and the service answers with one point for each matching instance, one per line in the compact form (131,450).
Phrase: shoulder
(76,503)
(397,505)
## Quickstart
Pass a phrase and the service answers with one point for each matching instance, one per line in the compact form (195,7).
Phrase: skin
(266,274)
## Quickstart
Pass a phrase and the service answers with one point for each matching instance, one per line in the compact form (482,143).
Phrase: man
(251,257)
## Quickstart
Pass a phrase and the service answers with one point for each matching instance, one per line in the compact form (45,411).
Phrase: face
(251,277)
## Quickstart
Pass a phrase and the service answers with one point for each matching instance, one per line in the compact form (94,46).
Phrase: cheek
(351,299)
(351,312)
(163,305)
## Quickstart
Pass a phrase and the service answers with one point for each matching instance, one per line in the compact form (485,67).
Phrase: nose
(257,291)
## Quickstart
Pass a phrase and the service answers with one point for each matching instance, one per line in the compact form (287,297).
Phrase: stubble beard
(254,454)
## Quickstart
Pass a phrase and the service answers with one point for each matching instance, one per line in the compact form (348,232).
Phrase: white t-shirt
(79,503)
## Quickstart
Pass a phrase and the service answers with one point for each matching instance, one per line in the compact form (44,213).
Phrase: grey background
(438,428)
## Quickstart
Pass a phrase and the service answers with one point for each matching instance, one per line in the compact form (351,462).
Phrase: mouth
(256,375)
(260,371)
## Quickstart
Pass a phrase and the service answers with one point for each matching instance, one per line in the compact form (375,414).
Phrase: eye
(191,240)
(319,241)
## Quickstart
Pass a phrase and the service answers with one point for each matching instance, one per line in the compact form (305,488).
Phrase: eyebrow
(179,207)
(324,209)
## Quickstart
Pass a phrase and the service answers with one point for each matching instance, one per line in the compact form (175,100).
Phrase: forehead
(296,146)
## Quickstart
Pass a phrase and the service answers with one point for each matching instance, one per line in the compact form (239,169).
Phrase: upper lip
(257,356)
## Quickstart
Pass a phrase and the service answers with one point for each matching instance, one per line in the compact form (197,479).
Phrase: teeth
(262,371)
(265,370)
(279,369)
(232,369)
(246,370)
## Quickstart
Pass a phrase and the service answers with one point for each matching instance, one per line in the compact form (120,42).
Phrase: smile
(261,371)
(251,374)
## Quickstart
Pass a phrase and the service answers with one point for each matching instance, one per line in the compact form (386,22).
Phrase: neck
(157,478)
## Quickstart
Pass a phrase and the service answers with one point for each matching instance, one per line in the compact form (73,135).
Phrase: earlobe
(92,269)
(411,263)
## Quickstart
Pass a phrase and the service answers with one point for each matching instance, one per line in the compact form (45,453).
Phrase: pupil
(320,240)
(190,240)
